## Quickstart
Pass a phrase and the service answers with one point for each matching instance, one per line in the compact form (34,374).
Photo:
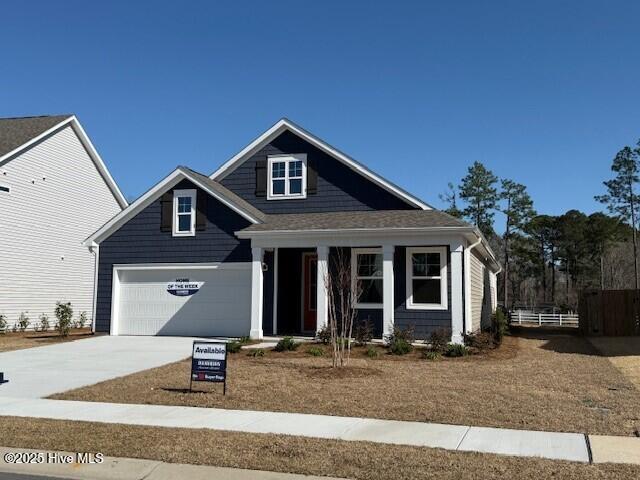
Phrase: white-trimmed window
(366,277)
(184,213)
(427,278)
(287,176)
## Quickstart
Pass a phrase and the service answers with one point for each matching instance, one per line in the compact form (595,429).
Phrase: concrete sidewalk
(135,469)
(525,443)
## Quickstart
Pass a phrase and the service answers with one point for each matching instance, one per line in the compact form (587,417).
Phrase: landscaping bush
(400,340)
(431,355)
(363,332)
(372,352)
(233,347)
(64,314)
(439,339)
(456,350)
(499,325)
(44,322)
(287,344)
(479,340)
(23,322)
(82,320)
(316,352)
(324,335)
(3,324)
(256,352)
(244,340)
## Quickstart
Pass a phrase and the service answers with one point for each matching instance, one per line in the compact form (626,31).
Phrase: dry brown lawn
(554,382)
(20,340)
(359,460)
(623,352)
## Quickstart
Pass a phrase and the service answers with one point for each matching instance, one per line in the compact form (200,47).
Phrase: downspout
(95,249)
(466,266)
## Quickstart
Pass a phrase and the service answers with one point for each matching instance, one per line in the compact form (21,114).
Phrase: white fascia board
(97,160)
(285,124)
(151,195)
(352,232)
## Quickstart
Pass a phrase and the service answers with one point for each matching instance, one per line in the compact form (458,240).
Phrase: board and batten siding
(58,198)
(140,240)
(339,188)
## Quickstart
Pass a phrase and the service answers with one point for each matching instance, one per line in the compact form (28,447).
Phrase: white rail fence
(555,319)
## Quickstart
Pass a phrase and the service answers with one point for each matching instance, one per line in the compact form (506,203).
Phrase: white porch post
(387,290)
(256,293)
(322,298)
(457,301)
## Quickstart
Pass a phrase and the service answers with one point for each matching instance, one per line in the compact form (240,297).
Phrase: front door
(309,291)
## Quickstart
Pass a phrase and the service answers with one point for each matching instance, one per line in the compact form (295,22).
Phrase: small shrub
(64,314)
(244,340)
(44,322)
(439,339)
(499,325)
(324,335)
(363,332)
(316,352)
(233,347)
(287,344)
(82,320)
(3,324)
(479,340)
(372,352)
(400,341)
(23,322)
(431,355)
(456,350)
(256,352)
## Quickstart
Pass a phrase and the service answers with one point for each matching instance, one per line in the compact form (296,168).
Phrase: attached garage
(186,300)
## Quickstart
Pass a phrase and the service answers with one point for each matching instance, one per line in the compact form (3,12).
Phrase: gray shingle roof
(384,219)
(228,194)
(15,132)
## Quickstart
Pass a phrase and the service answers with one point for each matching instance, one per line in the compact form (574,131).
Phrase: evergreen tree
(450,198)
(478,190)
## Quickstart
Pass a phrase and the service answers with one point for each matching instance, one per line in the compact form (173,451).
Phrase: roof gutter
(338,231)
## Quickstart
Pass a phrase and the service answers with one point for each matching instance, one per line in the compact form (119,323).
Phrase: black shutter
(261,178)
(166,204)
(201,211)
(312,177)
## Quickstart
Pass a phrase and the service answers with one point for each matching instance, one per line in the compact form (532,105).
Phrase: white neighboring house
(54,191)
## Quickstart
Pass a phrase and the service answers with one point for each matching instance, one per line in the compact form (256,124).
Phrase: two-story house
(245,250)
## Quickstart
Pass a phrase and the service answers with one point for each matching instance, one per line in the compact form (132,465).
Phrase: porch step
(262,345)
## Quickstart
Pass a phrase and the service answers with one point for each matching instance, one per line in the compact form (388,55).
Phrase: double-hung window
(427,278)
(366,277)
(184,213)
(287,176)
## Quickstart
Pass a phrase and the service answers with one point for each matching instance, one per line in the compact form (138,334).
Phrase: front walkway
(552,445)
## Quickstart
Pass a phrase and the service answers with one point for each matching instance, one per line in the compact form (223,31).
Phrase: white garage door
(213,301)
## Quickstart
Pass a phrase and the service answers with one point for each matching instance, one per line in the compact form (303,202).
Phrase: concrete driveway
(42,371)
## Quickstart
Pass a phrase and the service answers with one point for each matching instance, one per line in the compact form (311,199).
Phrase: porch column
(322,297)
(256,293)
(388,305)
(457,300)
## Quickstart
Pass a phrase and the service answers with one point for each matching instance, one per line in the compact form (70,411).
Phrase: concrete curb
(119,468)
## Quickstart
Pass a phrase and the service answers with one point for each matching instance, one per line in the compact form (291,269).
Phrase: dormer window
(184,213)
(287,176)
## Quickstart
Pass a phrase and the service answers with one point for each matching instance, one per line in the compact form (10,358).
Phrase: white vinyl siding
(479,280)
(57,199)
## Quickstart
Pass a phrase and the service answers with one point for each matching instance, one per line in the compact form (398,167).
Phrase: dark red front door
(309,291)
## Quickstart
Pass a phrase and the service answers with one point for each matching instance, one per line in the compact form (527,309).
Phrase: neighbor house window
(427,278)
(184,213)
(287,176)
(366,277)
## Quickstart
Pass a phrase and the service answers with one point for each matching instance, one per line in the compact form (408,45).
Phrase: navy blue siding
(339,187)
(141,241)
(424,321)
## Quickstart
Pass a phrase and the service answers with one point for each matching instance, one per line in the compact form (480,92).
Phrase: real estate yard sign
(209,363)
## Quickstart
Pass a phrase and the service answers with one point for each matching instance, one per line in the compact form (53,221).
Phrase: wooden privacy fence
(519,317)
(612,313)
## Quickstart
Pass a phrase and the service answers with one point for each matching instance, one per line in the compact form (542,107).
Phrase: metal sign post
(209,363)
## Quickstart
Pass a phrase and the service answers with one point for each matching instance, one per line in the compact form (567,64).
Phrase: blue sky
(543,93)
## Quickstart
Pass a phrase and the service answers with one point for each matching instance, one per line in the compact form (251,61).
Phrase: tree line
(548,259)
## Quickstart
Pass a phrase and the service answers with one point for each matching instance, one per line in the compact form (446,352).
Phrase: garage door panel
(221,307)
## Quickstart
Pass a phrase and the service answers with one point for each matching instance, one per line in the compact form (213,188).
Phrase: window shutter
(166,208)
(312,178)
(201,211)
(261,178)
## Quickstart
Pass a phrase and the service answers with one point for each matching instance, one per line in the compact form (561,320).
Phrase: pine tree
(450,198)
(478,190)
